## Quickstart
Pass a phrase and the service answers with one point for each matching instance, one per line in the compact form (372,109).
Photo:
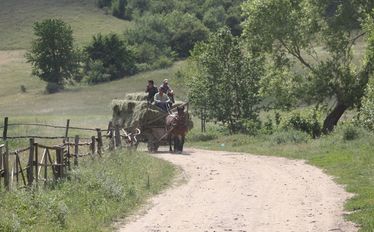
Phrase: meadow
(17,18)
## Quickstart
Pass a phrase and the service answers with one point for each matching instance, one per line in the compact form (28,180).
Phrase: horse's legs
(181,143)
(170,148)
(176,143)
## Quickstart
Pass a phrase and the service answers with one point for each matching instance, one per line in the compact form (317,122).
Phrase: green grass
(350,162)
(95,195)
(75,100)
(18,16)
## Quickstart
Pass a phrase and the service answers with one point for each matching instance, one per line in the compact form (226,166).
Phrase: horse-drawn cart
(135,112)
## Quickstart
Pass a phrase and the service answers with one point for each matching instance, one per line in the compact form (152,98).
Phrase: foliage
(367,109)
(52,56)
(112,52)
(214,14)
(52,87)
(289,136)
(172,35)
(224,80)
(96,193)
(96,72)
(307,122)
(289,33)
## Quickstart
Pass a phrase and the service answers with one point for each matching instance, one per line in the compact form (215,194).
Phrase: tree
(52,54)
(367,108)
(224,79)
(290,33)
(113,54)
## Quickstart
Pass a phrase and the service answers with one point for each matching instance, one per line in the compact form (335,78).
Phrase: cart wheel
(152,147)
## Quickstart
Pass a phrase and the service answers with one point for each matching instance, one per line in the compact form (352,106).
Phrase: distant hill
(17,18)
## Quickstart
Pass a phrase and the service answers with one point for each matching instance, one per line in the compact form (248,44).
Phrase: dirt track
(233,192)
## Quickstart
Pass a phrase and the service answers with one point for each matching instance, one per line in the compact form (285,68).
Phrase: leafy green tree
(290,33)
(52,54)
(186,30)
(224,80)
(367,109)
(119,9)
(113,54)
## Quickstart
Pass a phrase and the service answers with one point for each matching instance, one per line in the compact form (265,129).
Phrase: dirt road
(234,192)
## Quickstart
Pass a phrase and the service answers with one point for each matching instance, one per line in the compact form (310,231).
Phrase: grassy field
(18,16)
(350,162)
(75,100)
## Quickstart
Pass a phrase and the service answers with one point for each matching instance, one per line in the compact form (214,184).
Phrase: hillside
(18,16)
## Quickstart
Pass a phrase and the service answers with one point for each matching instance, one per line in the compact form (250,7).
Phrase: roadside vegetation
(93,196)
(276,77)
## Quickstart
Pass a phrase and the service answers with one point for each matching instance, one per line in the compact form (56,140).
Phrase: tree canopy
(224,79)
(293,34)
(52,53)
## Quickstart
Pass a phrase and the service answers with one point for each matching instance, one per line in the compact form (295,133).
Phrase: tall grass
(95,194)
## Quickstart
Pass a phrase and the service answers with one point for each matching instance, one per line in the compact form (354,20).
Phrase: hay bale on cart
(135,112)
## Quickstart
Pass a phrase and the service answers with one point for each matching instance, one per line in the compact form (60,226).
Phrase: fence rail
(40,163)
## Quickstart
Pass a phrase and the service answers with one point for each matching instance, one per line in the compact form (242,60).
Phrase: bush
(116,58)
(307,122)
(247,126)
(162,62)
(201,137)
(53,87)
(289,136)
(23,89)
(96,73)
(349,131)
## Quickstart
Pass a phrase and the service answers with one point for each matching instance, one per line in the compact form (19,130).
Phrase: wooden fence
(40,164)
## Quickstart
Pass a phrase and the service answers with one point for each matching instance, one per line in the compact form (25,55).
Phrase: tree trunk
(333,117)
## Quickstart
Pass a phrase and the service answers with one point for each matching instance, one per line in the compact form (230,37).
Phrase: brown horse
(176,125)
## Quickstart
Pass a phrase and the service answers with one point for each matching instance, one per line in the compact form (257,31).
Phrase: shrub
(23,89)
(117,59)
(350,132)
(289,136)
(52,87)
(201,137)
(247,126)
(96,73)
(162,62)
(307,122)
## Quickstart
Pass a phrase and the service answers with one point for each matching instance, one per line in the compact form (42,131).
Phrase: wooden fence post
(1,159)
(60,162)
(76,149)
(117,137)
(5,131)
(67,129)
(36,148)
(99,141)
(30,176)
(93,145)
(6,167)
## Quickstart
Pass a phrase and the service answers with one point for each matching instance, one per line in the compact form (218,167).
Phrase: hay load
(134,111)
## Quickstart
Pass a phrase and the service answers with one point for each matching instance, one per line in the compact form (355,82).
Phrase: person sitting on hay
(162,100)
(165,88)
(151,90)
